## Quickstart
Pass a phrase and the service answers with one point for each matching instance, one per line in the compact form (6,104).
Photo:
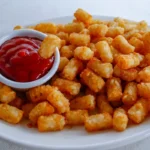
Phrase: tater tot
(92,47)
(130,93)
(83,53)
(120,119)
(74,27)
(128,61)
(63,62)
(103,104)
(18,27)
(104,51)
(39,93)
(144,75)
(138,44)
(58,100)
(67,86)
(10,114)
(146,40)
(63,36)
(83,102)
(76,117)
(78,39)
(104,70)
(60,28)
(49,45)
(122,45)
(46,28)
(85,31)
(54,122)
(73,67)
(83,16)
(27,109)
(114,31)
(7,94)
(127,75)
(130,33)
(144,89)
(97,39)
(142,25)
(109,40)
(94,82)
(98,30)
(98,21)
(114,89)
(138,35)
(98,122)
(67,51)
(43,108)
(138,111)
(115,53)
(112,24)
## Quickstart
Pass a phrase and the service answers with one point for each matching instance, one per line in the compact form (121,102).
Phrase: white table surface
(23,12)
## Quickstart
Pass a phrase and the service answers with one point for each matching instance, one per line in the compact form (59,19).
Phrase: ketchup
(20,61)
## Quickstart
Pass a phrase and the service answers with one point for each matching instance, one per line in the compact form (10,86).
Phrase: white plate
(75,138)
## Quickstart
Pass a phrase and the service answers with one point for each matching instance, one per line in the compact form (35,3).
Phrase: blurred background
(24,12)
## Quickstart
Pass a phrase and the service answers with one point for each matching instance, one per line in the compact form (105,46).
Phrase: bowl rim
(40,81)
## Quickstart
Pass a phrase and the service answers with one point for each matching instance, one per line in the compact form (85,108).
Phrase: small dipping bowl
(27,85)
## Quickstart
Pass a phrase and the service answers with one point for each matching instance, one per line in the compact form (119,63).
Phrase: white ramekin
(42,80)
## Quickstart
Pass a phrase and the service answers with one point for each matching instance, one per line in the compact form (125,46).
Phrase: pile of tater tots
(103,80)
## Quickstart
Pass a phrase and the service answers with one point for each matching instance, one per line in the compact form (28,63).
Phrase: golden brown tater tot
(39,93)
(130,94)
(121,44)
(144,75)
(46,28)
(98,30)
(49,45)
(54,122)
(83,16)
(83,102)
(43,108)
(129,61)
(74,27)
(83,53)
(10,114)
(63,62)
(104,51)
(58,100)
(79,39)
(120,119)
(94,82)
(114,31)
(144,89)
(76,117)
(104,70)
(138,111)
(67,86)
(127,75)
(114,89)
(71,70)
(98,122)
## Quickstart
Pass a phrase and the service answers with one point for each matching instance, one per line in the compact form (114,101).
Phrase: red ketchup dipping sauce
(20,61)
